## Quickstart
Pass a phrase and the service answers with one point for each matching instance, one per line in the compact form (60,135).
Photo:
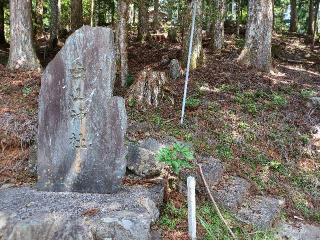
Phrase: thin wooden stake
(192,220)
(214,202)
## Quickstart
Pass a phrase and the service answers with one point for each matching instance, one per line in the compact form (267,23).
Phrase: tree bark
(143,26)
(76,15)
(2,33)
(218,32)
(310,29)
(54,23)
(238,17)
(22,54)
(293,16)
(197,56)
(156,15)
(92,13)
(122,40)
(39,17)
(257,50)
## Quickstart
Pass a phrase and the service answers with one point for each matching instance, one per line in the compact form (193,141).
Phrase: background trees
(54,20)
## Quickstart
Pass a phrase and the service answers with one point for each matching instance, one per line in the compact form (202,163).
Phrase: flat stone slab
(233,193)
(212,170)
(260,212)
(28,214)
(298,231)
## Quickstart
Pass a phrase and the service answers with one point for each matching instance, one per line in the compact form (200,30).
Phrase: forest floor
(262,126)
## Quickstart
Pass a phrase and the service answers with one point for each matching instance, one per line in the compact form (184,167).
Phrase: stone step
(261,212)
(128,214)
(298,231)
(232,193)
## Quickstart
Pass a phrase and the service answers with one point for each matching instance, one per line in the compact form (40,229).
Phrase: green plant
(308,93)
(193,102)
(171,216)
(279,100)
(132,102)
(129,80)
(176,156)
(26,90)
(224,151)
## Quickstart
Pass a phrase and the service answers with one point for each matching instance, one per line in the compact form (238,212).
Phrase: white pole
(189,61)
(192,221)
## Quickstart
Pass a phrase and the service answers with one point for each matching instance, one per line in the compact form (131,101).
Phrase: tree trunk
(39,17)
(22,54)
(2,34)
(315,31)
(76,14)
(293,16)
(122,40)
(311,18)
(238,17)
(257,50)
(54,23)
(156,15)
(143,26)
(218,32)
(197,50)
(92,13)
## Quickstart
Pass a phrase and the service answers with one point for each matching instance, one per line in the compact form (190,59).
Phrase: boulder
(142,158)
(233,193)
(175,69)
(212,170)
(260,212)
(298,231)
(148,87)
(28,214)
(81,125)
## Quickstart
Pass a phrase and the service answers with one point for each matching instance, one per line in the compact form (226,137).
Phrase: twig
(214,202)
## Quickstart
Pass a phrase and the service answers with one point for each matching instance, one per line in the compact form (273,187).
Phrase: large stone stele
(81,125)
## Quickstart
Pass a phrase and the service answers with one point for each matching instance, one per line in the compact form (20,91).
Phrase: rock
(27,214)
(175,69)
(212,170)
(233,193)
(81,125)
(315,101)
(32,161)
(142,158)
(148,87)
(261,212)
(298,231)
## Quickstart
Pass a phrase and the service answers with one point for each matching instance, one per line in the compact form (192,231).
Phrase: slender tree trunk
(39,17)
(218,32)
(156,15)
(315,31)
(54,23)
(76,14)
(22,54)
(197,56)
(293,16)
(143,27)
(238,17)
(311,18)
(92,13)
(257,50)
(2,33)
(122,40)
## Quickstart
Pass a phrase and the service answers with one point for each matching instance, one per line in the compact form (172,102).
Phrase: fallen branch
(214,202)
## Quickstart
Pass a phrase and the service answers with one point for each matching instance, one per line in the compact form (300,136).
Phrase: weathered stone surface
(233,193)
(142,158)
(175,69)
(212,170)
(298,231)
(81,126)
(27,214)
(260,212)
(148,87)
(315,101)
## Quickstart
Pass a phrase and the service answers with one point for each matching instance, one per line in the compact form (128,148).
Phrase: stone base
(27,214)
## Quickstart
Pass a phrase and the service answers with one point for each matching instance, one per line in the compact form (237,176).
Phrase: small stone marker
(192,221)
(81,125)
